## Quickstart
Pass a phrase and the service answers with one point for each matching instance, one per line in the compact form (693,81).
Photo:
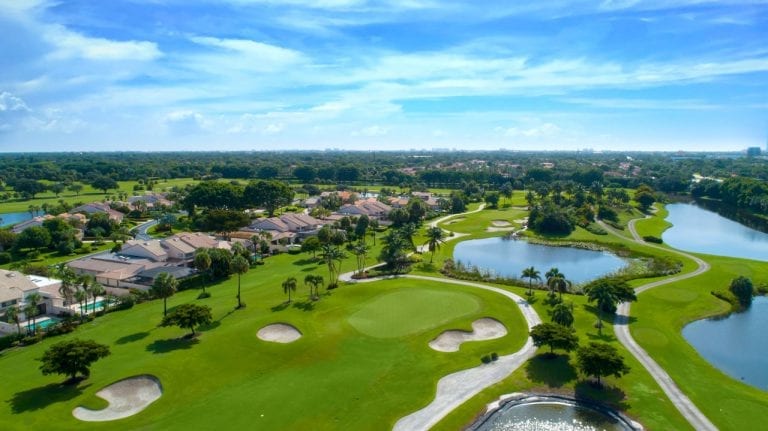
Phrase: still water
(508,258)
(551,416)
(8,219)
(736,344)
(702,231)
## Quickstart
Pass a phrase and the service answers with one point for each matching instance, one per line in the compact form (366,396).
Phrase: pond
(736,344)
(702,231)
(545,414)
(506,257)
(7,219)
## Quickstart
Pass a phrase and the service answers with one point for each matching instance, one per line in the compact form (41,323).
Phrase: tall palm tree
(332,257)
(68,283)
(202,263)
(562,314)
(373,225)
(435,237)
(360,250)
(96,290)
(165,286)
(31,309)
(602,294)
(12,314)
(80,296)
(85,281)
(239,266)
(289,285)
(531,274)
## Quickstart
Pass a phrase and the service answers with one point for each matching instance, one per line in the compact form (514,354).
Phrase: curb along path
(692,414)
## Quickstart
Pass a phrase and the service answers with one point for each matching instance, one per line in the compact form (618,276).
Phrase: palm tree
(31,309)
(556,281)
(531,273)
(12,314)
(202,263)
(332,257)
(314,282)
(85,281)
(289,285)
(240,266)
(373,225)
(562,314)
(360,250)
(165,286)
(96,290)
(68,283)
(435,237)
(80,296)
(603,295)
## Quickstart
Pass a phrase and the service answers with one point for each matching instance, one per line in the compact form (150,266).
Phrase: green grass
(406,312)
(323,381)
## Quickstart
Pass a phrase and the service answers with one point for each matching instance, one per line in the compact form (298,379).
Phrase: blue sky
(151,75)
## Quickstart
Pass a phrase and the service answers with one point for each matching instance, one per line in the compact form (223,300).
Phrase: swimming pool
(91,307)
(43,323)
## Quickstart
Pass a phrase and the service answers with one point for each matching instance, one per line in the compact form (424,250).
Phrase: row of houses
(15,290)
(139,262)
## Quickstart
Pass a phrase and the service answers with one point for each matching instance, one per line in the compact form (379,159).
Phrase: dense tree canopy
(72,357)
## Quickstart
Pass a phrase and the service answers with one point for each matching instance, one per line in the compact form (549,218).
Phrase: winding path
(692,414)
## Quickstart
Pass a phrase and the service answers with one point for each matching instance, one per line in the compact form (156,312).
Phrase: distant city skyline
(264,75)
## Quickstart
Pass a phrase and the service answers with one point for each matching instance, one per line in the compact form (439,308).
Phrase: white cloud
(184,122)
(70,44)
(9,102)
(539,131)
(371,131)
(274,128)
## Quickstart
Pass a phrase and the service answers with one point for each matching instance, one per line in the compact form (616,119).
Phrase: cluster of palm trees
(79,288)
(555,281)
(13,313)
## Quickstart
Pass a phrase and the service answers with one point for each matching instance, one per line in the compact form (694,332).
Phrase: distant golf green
(407,312)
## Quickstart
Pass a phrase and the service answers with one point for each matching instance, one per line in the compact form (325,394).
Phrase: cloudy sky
(373,74)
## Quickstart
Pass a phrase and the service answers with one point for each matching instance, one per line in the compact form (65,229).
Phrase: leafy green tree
(75,188)
(492,199)
(29,187)
(531,274)
(57,188)
(104,183)
(223,220)
(361,227)
(601,359)
(506,190)
(417,210)
(239,266)
(644,196)
(221,262)
(165,286)
(562,314)
(311,245)
(305,173)
(188,316)
(202,263)
(435,237)
(399,217)
(607,294)
(72,357)
(555,336)
(373,226)
(35,237)
(395,251)
(268,194)
(743,290)
(213,195)
(289,285)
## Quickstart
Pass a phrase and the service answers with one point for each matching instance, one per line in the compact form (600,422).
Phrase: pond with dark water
(508,258)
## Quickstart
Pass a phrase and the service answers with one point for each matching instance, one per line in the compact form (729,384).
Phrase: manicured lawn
(229,378)
(406,312)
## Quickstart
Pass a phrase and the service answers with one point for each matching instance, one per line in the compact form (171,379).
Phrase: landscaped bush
(5,257)
(33,255)
(494,356)
(486,359)
(595,229)
(653,239)
(9,341)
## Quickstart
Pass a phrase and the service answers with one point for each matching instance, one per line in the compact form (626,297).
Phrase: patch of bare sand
(279,333)
(126,398)
(482,329)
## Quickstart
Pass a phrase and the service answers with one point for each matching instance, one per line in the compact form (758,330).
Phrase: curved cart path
(692,414)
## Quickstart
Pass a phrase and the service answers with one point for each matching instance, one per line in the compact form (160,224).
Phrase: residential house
(370,207)
(16,287)
(289,227)
(150,249)
(99,207)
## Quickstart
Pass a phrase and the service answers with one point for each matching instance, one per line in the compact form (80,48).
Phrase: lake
(736,344)
(702,231)
(506,257)
(13,218)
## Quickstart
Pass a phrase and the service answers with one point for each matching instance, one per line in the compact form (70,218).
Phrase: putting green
(409,311)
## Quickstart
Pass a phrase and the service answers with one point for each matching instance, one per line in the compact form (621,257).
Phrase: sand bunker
(126,398)
(279,333)
(500,223)
(482,329)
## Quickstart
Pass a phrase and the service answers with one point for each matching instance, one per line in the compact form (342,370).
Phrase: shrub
(486,359)
(5,257)
(494,356)
(203,295)
(33,255)
(126,302)
(653,239)
(595,229)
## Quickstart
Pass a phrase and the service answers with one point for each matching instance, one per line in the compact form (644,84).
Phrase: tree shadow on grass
(43,396)
(304,305)
(213,325)
(306,261)
(169,345)
(589,390)
(280,307)
(551,370)
(131,338)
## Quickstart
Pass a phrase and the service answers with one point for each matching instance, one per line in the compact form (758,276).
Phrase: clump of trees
(600,360)
(188,316)
(742,288)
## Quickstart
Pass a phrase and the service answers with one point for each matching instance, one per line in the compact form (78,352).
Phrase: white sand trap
(279,333)
(482,329)
(126,398)
(500,223)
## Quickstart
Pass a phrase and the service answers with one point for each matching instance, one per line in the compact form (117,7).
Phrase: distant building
(754,151)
